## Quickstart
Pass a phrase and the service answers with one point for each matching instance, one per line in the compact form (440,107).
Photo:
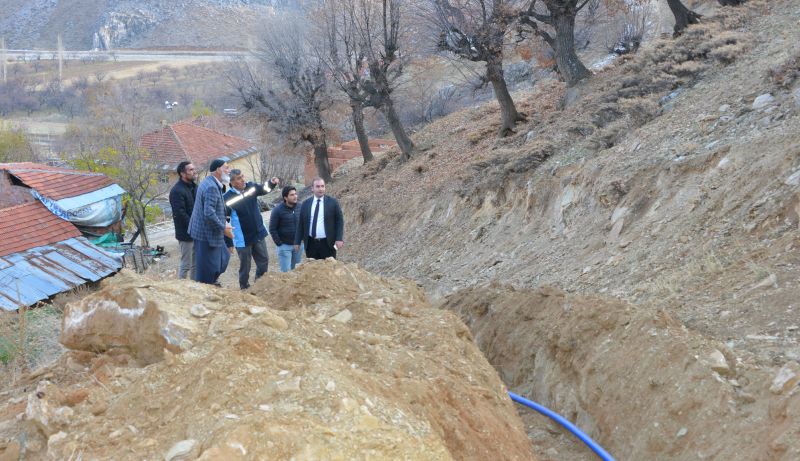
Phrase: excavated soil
(326,362)
(668,185)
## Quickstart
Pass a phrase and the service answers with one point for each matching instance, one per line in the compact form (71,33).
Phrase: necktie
(314,220)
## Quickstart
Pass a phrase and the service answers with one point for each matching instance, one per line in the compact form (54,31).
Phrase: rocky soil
(667,185)
(327,362)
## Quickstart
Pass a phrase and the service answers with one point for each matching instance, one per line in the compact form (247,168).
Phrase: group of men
(223,213)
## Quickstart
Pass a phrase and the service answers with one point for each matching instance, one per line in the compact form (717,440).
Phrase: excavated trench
(640,384)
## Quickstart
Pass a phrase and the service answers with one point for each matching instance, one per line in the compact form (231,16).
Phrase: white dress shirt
(320,218)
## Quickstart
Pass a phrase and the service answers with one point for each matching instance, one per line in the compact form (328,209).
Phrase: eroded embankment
(326,362)
(640,383)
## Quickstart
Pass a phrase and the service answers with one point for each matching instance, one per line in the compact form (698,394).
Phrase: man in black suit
(321,224)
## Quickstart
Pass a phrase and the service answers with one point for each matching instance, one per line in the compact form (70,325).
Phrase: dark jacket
(283,224)
(334,221)
(208,216)
(246,212)
(181,200)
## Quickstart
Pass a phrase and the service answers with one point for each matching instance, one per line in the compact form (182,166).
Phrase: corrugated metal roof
(36,274)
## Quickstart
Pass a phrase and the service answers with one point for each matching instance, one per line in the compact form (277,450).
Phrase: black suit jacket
(334,221)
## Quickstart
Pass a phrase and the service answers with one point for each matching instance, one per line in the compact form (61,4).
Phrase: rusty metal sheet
(38,273)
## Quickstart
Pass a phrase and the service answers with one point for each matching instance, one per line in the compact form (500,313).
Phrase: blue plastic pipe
(564,422)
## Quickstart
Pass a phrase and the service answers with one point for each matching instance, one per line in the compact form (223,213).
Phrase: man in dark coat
(283,222)
(208,226)
(321,224)
(181,200)
(248,226)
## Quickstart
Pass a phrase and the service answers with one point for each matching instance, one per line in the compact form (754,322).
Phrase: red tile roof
(187,141)
(31,225)
(56,183)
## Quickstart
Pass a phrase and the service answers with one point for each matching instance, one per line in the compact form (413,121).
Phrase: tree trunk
(361,133)
(403,141)
(683,16)
(570,67)
(508,111)
(321,160)
(140,222)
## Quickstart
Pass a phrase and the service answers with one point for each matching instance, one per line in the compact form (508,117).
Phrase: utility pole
(60,62)
(3,57)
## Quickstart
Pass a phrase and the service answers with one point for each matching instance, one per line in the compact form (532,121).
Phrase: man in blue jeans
(282,226)
(248,227)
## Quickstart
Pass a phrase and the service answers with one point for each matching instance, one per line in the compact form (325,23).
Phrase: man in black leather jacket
(181,199)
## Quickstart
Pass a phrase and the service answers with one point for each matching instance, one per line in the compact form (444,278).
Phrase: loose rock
(788,377)
(763,101)
(199,310)
(180,450)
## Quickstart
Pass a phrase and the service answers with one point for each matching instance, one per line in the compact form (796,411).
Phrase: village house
(188,141)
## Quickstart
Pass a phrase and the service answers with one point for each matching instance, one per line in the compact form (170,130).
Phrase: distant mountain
(111,24)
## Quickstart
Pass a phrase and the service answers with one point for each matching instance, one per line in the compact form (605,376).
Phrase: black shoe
(244,287)
(217,284)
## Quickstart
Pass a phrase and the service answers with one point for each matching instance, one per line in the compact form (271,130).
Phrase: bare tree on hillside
(560,16)
(475,30)
(293,107)
(683,16)
(345,62)
(363,40)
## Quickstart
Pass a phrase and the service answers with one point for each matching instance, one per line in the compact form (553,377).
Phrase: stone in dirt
(787,378)
(763,101)
(199,310)
(718,362)
(180,450)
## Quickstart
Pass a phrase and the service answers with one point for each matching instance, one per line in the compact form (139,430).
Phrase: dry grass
(29,337)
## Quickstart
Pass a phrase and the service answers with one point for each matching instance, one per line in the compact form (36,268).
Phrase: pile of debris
(326,362)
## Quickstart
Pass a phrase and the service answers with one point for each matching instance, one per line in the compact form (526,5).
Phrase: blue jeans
(287,257)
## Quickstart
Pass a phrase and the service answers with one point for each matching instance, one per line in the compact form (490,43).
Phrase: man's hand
(338,245)
(297,248)
(228,231)
(275,181)
(230,250)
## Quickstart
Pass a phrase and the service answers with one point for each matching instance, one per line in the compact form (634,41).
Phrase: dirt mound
(327,362)
(641,384)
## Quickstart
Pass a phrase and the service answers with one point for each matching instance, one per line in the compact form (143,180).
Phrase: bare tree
(560,16)
(294,106)
(683,16)
(363,41)
(134,170)
(475,30)
(345,62)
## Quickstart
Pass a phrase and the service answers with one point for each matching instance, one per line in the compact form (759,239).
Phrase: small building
(188,141)
(90,201)
(343,153)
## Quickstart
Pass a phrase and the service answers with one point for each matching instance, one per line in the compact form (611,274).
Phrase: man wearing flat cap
(208,227)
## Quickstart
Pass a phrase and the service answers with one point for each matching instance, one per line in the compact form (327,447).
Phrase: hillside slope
(109,24)
(670,182)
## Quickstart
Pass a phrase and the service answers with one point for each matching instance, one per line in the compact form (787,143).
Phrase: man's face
(223,171)
(237,181)
(319,188)
(291,199)
(188,174)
